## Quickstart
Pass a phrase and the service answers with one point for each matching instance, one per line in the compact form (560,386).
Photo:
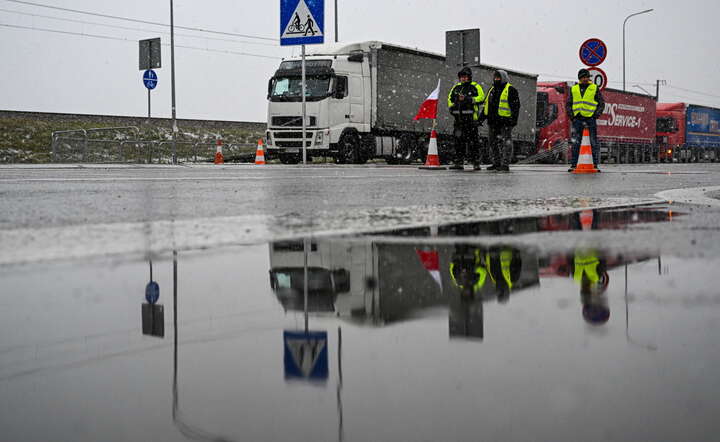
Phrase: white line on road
(694,195)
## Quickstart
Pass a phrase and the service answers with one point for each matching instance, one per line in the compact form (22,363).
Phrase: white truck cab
(337,99)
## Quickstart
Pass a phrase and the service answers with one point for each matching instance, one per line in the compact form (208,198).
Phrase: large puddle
(443,333)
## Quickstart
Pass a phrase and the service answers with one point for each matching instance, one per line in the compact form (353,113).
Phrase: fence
(78,146)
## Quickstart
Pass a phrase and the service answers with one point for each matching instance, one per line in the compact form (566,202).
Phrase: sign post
(150,81)
(592,53)
(302,22)
(150,58)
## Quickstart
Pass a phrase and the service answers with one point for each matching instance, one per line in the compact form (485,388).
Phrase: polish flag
(430,259)
(429,107)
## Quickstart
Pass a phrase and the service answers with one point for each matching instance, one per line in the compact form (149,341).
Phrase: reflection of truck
(688,133)
(361,100)
(626,129)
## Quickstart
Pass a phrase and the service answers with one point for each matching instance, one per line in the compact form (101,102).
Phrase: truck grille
(291,121)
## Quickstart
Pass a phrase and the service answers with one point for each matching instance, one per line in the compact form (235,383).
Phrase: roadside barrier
(432,161)
(260,154)
(585,160)
(218,152)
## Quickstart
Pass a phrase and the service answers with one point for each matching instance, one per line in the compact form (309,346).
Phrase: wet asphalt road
(401,345)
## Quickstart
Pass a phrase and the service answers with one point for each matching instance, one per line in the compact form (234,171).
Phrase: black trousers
(467,143)
(501,145)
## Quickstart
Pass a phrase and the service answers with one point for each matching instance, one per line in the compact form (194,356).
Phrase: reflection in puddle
(444,333)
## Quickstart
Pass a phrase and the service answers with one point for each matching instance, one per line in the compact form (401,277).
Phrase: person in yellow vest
(504,265)
(584,105)
(467,269)
(589,271)
(502,109)
(464,100)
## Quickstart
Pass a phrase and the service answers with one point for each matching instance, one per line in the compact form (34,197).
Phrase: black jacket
(492,117)
(598,97)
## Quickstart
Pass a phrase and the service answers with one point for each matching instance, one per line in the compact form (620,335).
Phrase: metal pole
(623,43)
(306,246)
(148,106)
(336,22)
(304,110)
(172,84)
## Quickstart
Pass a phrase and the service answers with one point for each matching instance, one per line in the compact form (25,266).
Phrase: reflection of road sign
(598,77)
(150,79)
(152,292)
(150,54)
(306,354)
(593,52)
(302,22)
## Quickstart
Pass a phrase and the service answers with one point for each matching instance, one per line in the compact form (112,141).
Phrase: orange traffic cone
(585,160)
(586,219)
(260,154)
(432,161)
(219,159)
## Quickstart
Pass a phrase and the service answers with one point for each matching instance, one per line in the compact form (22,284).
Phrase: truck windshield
(666,124)
(290,88)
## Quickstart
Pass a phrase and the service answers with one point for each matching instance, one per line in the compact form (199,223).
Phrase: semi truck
(361,99)
(687,132)
(626,129)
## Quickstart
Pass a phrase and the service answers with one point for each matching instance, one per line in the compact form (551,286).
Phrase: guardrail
(78,146)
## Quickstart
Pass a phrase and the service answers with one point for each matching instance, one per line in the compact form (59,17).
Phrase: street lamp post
(624,22)
(172,84)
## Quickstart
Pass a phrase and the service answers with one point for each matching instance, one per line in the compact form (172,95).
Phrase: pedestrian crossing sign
(306,355)
(302,22)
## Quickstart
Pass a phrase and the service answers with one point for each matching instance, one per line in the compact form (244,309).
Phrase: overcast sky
(47,71)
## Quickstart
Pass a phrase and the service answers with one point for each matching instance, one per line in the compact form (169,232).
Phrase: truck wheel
(348,149)
(406,149)
(289,158)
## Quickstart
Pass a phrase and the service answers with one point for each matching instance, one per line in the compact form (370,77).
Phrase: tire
(289,158)
(406,150)
(349,149)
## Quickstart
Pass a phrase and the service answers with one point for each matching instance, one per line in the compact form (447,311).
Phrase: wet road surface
(583,325)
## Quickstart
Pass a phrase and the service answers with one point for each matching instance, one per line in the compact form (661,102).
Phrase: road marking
(693,195)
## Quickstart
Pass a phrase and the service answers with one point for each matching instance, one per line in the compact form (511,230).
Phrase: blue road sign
(306,355)
(593,52)
(302,22)
(152,292)
(150,79)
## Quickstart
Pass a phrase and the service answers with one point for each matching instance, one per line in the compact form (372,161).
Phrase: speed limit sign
(598,77)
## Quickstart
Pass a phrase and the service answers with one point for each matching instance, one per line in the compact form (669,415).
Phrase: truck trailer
(626,129)
(361,99)
(687,132)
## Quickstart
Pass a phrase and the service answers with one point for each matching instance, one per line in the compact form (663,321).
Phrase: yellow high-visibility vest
(584,105)
(504,105)
(477,100)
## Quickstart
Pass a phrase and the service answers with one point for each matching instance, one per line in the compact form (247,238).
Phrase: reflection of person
(589,270)
(464,102)
(504,265)
(584,105)
(502,109)
(467,269)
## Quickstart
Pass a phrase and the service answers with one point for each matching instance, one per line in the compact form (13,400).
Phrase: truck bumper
(291,140)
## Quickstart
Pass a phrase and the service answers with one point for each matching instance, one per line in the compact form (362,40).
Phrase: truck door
(357,103)
(339,103)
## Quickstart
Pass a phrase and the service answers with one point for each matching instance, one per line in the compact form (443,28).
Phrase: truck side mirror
(269,90)
(340,87)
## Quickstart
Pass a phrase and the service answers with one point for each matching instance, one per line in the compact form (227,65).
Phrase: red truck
(626,129)
(688,133)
